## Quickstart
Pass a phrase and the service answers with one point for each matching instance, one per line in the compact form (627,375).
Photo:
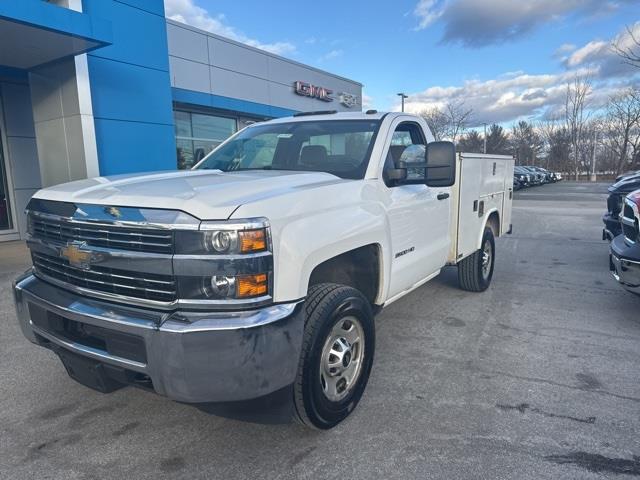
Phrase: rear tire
(337,355)
(476,271)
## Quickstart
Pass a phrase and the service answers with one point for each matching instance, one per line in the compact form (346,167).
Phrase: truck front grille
(109,280)
(629,224)
(614,204)
(107,236)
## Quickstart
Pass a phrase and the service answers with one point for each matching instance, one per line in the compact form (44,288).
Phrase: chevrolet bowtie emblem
(113,211)
(76,256)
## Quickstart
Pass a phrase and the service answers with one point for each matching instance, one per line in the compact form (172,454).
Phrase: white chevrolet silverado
(248,285)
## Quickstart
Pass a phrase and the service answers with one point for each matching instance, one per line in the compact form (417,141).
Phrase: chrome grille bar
(629,223)
(150,287)
(123,238)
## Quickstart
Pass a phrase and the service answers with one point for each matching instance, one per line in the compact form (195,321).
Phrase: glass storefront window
(197,134)
(5,210)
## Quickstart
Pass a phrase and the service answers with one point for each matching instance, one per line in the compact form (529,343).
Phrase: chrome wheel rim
(487,255)
(342,358)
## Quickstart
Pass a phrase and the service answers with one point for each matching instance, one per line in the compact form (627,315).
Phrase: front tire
(337,355)
(476,271)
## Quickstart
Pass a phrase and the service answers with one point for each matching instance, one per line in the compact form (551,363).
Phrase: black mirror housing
(441,164)
(397,174)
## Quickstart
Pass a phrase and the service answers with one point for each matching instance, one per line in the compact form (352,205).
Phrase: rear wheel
(337,355)
(475,271)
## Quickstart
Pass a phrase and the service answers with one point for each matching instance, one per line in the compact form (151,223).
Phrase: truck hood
(626,185)
(205,194)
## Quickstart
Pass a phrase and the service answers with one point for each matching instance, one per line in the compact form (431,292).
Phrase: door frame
(12,233)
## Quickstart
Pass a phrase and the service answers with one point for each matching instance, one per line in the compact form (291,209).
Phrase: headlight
(222,238)
(224,287)
(225,261)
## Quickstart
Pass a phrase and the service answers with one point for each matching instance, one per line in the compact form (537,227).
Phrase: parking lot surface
(538,377)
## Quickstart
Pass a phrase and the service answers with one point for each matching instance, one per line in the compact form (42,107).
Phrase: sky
(506,59)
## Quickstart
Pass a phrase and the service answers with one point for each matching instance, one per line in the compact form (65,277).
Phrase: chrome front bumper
(625,264)
(193,357)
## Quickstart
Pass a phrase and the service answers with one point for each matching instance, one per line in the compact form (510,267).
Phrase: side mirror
(441,164)
(410,167)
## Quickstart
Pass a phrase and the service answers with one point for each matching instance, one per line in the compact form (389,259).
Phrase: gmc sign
(307,90)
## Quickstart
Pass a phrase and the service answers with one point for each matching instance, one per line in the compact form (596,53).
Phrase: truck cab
(252,281)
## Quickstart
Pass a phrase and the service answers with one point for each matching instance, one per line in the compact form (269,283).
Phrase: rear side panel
(484,185)
(508,197)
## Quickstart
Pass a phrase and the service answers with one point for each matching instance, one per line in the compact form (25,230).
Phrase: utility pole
(403,96)
(593,155)
(485,137)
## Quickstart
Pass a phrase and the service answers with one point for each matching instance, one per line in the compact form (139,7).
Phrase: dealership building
(106,87)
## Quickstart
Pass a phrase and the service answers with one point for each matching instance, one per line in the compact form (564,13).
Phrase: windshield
(339,147)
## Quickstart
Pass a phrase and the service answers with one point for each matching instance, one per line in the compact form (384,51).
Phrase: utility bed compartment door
(481,186)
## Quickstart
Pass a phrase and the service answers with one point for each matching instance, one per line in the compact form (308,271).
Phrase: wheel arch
(360,268)
(492,220)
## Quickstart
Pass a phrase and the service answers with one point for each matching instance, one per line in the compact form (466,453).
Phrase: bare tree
(459,117)
(628,48)
(623,127)
(450,121)
(437,121)
(576,116)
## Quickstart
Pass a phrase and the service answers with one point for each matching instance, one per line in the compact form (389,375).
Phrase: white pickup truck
(249,285)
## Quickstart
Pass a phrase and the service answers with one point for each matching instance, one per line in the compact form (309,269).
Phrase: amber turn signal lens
(252,240)
(252,285)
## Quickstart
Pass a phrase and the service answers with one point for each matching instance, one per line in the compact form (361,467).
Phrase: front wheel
(337,355)
(475,271)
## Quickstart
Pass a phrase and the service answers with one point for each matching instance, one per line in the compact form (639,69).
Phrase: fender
(310,226)
(303,246)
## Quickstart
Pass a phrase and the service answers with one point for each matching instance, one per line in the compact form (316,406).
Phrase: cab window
(406,144)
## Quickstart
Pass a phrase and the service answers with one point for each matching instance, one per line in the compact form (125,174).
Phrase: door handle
(443,196)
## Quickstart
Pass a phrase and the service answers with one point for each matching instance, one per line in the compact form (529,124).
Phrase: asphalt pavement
(536,378)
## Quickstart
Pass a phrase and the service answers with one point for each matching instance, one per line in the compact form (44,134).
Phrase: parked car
(615,203)
(625,248)
(536,177)
(517,184)
(547,176)
(523,176)
(253,279)
(551,177)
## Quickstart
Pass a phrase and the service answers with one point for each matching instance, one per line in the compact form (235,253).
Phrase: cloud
(498,100)
(367,101)
(474,23)
(602,55)
(518,95)
(428,11)
(330,55)
(565,48)
(186,11)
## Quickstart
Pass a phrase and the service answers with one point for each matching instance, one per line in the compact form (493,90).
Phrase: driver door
(419,220)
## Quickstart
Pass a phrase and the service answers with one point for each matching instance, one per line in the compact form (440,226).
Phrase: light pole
(403,96)
(485,137)
(594,177)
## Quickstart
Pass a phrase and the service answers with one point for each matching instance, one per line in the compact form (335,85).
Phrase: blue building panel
(156,8)
(129,147)
(146,97)
(14,74)
(227,103)
(139,37)
(131,89)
